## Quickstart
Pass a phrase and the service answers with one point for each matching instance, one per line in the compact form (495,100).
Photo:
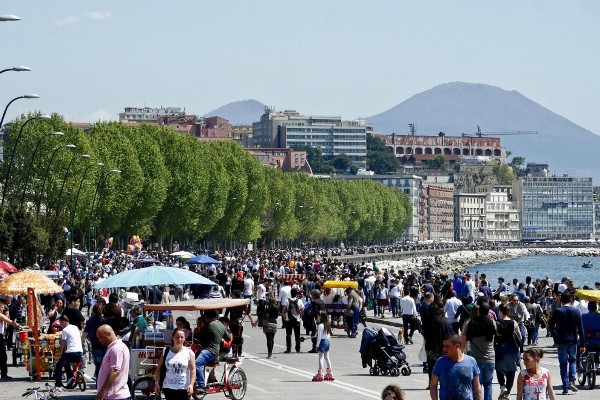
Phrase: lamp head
(114,171)
(31,96)
(99,164)
(21,68)
(70,146)
(57,134)
(4,18)
(84,155)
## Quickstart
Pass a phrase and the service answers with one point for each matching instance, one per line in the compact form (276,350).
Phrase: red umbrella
(8,267)
(3,274)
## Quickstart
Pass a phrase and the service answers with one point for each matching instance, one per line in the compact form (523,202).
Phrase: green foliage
(382,162)
(503,173)
(175,187)
(375,144)
(437,162)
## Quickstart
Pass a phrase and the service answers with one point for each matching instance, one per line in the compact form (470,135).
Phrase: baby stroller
(383,354)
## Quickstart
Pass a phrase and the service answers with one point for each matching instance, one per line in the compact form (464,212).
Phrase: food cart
(337,312)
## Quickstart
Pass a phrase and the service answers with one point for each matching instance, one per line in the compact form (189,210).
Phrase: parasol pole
(33,323)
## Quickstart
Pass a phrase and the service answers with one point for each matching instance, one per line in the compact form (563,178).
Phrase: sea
(554,267)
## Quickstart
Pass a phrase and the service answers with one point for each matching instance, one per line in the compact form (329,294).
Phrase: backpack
(292,310)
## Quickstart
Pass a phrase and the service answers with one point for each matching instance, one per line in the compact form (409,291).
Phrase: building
(242,135)
(555,208)
(280,158)
(502,221)
(186,124)
(215,128)
(416,150)
(440,213)
(148,114)
(332,135)
(469,217)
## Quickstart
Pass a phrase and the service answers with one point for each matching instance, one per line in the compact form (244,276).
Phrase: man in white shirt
(452,304)
(284,294)
(409,315)
(71,349)
(249,290)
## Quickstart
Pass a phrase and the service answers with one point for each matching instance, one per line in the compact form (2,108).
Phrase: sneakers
(573,387)
(313,351)
(565,392)
(200,390)
(503,393)
(55,391)
(287,351)
(87,377)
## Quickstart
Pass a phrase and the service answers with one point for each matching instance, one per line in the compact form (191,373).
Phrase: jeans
(395,302)
(408,324)
(97,357)
(3,357)
(205,357)
(65,362)
(523,336)
(355,320)
(486,378)
(289,327)
(567,359)
(249,296)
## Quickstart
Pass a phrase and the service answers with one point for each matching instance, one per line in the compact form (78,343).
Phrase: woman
(507,351)
(534,382)
(392,392)
(270,323)
(183,324)
(434,333)
(236,316)
(546,304)
(56,311)
(180,369)
(91,326)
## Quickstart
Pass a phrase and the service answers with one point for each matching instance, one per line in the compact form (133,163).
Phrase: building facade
(502,222)
(280,158)
(469,217)
(242,134)
(332,135)
(555,208)
(440,213)
(148,114)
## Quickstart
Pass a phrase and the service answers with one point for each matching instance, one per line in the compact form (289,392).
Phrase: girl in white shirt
(181,369)
(323,335)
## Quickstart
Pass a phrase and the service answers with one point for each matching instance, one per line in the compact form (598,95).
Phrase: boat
(587,264)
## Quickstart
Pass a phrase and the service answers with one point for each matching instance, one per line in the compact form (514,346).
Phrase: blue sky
(90,59)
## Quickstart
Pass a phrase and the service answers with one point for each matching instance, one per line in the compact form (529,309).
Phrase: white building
(148,114)
(469,217)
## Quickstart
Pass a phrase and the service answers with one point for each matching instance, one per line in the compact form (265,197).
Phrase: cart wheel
(143,389)
(405,370)
(371,371)
(238,383)
(14,355)
(376,371)
(395,372)
(81,381)
(581,376)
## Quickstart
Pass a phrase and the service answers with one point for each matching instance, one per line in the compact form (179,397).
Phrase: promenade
(288,376)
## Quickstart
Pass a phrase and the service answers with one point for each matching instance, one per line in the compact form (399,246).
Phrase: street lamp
(39,202)
(62,188)
(12,156)
(20,68)
(37,146)
(99,164)
(5,18)
(25,96)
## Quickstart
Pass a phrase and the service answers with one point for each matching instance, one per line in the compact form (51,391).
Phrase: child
(323,335)
(534,381)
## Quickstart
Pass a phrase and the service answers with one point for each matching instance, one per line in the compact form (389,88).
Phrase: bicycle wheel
(80,379)
(581,373)
(143,389)
(591,377)
(237,383)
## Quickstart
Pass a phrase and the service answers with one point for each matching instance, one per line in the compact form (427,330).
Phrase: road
(288,376)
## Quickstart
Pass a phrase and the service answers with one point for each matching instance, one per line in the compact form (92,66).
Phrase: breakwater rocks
(463,259)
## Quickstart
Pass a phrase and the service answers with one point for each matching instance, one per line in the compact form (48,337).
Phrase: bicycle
(38,394)
(77,380)
(587,370)
(233,382)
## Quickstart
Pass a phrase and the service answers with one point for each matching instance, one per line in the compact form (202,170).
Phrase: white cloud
(66,20)
(99,115)
(98,15)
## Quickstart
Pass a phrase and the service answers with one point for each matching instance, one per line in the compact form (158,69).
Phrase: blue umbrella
(203,259)
(155,275)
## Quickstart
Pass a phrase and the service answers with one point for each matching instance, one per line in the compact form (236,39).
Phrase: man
(450,308)
(138,327)
(249,290)
(566,323)
(425,320)
(11,304)
(284,294)
(501,288)
(76,318)
(211,337)
(3,358)
(113,374)
(518,313)
(456,373)
(71,352)
(355,304)
(468,289)
(409,316)
(316,307)
(480,332)
(591,327)
(292,312)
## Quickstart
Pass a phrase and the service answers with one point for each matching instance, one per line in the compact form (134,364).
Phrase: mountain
(458,107)
(240,112)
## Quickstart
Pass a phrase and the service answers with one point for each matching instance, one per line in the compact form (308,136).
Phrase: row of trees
(172,187)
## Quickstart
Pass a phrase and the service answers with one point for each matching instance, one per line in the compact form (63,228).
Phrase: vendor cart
(337,311)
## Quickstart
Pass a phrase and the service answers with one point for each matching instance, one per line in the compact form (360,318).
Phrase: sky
(90,59)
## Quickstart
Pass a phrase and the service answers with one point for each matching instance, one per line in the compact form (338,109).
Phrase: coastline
(463,259)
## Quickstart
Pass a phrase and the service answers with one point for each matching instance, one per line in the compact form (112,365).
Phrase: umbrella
(75,252)
(146,260)
(19,282)
(8,267)
(155,275)
(182,254)
(202,259)
(3,274)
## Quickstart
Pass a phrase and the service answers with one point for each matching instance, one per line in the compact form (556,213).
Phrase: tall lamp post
(5,18)
(12,156)
(62,188)
(38,204)
(77,200)
(37,146)
(101,179)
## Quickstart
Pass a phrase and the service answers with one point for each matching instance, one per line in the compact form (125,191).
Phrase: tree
(382,162)
(503,173)
(314,155)
(341,162)
(517,162)
(375,144)
(437,162)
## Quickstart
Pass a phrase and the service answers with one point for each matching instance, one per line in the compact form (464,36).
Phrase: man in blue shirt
(566,323)
(456,372)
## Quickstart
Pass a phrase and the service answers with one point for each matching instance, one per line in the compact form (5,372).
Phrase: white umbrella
(74,252)
(182,254)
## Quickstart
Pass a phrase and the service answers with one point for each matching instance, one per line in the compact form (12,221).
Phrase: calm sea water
(552,266)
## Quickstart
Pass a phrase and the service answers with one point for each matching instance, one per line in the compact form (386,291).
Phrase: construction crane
(481,134)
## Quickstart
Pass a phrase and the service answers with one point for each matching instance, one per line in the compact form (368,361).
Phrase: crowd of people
(467,324)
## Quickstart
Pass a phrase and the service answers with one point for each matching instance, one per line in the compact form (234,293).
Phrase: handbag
(163,367)
(542,320)
(423,354)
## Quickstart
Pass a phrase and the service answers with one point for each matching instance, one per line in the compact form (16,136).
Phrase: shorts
(323,346)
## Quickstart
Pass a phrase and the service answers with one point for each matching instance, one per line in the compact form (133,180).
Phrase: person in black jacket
(434,333)
(315,308)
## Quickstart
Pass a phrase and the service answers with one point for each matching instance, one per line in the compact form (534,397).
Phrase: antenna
(413,128)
